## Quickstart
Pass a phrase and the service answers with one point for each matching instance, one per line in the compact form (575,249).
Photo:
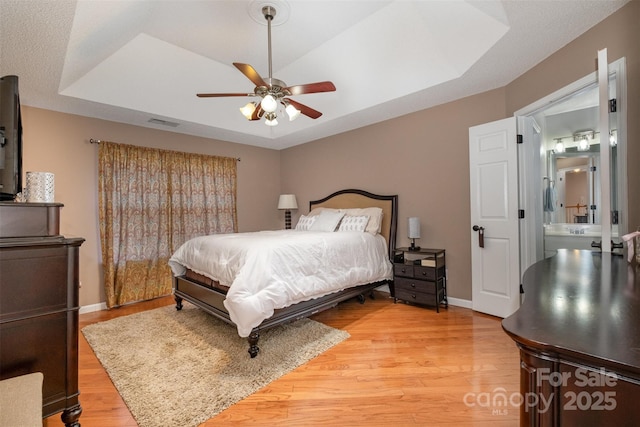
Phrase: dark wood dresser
(39,304)
(578,332)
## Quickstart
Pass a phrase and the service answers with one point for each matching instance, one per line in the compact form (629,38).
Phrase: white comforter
(267,270)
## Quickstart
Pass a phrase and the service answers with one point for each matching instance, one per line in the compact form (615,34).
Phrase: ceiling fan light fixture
(270,119)
(293,112)
(269,103)
(248,110)
(272,92)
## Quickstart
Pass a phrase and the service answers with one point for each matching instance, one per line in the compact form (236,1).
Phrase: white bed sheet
(267,270)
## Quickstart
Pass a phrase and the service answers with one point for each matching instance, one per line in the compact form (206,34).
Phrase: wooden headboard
(351,198)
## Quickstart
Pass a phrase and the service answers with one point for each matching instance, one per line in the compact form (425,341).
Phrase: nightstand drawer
(413,285)
(416,297)
(424,273)
(404,270)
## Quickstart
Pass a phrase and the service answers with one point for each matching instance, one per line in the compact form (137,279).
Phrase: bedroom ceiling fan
(273,92)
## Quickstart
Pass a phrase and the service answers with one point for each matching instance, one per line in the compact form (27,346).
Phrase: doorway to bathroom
(526,198)
(560,168)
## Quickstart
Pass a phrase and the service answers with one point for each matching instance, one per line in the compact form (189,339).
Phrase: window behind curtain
(150,202)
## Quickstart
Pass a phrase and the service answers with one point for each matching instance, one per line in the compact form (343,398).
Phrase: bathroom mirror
(574,178)
(571,176)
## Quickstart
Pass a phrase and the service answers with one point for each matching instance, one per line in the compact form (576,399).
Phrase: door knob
(480,231)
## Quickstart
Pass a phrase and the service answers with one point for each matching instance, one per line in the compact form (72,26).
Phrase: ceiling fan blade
(307,111)
(251,74)
(311,88)
(219,95)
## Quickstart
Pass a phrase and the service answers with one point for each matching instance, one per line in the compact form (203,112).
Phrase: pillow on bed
(374,226)
(353,223)
(318,211)
(328,220)
(305,222)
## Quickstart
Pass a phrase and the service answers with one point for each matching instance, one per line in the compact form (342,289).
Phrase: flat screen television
(10,139)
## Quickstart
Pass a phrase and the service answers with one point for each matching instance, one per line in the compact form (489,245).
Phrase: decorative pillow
(305,222)
(318,211)
(327,221)
(374,226)
(353,223)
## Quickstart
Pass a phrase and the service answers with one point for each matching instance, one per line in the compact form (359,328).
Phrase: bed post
(253,343)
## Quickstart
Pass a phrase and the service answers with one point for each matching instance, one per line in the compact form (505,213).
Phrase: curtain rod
(97,141)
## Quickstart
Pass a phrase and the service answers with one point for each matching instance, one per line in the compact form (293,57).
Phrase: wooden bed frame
(209,298)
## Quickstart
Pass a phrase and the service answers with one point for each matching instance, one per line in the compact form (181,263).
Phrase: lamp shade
(293,112)
(414,228)
(287,201)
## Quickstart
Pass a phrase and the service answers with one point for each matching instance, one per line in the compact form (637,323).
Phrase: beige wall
(59,143)
(422,157)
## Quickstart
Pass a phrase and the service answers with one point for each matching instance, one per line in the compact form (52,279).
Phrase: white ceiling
(132,61)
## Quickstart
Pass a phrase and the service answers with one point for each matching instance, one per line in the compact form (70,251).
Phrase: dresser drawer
(404,270)
(34,281)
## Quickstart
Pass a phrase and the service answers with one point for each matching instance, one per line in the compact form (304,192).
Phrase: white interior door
(493,168)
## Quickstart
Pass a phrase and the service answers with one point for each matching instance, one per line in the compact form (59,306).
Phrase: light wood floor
(402,366)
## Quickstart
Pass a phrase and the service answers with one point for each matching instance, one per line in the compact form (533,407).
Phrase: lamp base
(413,247)
(287,219)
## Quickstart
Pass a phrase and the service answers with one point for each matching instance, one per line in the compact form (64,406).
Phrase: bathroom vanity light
(613,137)
(582,138)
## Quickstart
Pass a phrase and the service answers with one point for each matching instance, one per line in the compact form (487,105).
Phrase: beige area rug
(180,368)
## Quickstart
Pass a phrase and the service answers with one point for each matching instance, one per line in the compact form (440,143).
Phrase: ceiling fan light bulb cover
(248,110)
(293,112)
(269,104)
(272,122)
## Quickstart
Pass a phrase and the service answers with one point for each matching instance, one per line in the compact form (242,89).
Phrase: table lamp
(414,232)
(287,202)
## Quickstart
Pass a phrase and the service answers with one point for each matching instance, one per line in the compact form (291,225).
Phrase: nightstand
(419,277)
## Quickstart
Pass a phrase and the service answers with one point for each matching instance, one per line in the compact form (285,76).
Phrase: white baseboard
(465,303)
(385,288)
(458,302)
(93,307)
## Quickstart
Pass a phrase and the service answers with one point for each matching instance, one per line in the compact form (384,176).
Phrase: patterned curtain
(150,202)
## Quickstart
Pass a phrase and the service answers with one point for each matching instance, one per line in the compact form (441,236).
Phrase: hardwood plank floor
(403,366)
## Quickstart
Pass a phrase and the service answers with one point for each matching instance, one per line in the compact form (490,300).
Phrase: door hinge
(592,207)
(520,213)
(613,105)
(592,168)
(519,139)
